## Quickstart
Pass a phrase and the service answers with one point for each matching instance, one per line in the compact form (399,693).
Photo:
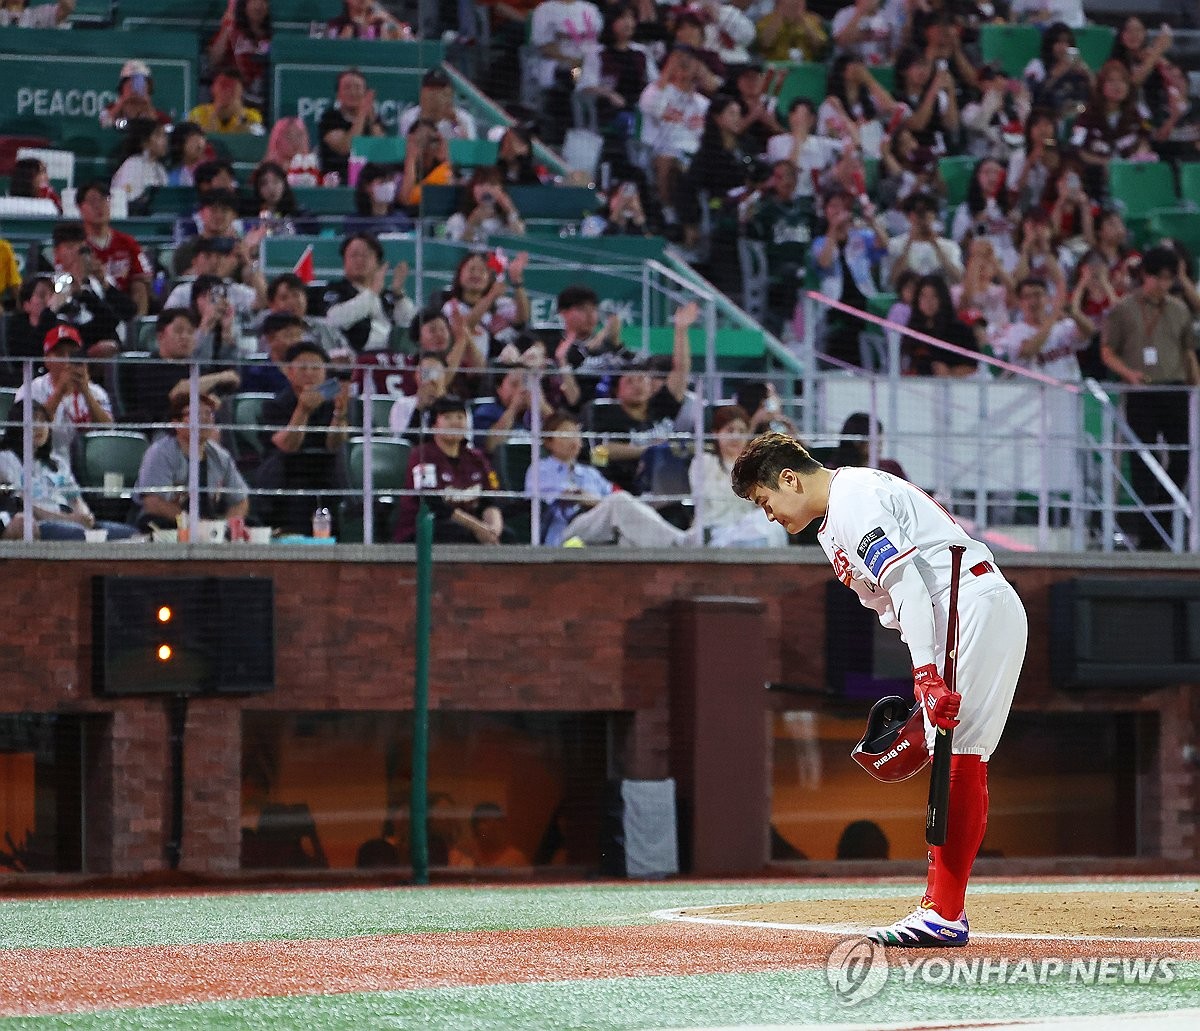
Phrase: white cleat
(923,928)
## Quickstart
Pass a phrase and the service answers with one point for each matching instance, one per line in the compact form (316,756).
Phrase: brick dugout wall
(588,632)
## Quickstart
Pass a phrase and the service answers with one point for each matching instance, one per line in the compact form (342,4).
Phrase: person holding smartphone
(135,98)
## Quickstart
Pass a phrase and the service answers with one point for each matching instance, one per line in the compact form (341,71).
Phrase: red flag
(304,267)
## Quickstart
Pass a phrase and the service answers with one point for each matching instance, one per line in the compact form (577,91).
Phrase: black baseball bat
(939,774)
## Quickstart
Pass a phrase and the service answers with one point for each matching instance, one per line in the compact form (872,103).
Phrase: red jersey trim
(892,561)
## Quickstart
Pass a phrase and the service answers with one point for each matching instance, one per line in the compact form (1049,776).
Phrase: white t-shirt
(876,521)
(573,24)
(137,174)
(1069,12)
(672,120)
(72,410)
(1057,356)
(876,48)
(817,153)
(44,16)
(461,127)
(922,258)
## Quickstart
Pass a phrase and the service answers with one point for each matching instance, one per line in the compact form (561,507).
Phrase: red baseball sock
(950,864)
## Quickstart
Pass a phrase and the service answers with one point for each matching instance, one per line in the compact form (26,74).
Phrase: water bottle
(322,523)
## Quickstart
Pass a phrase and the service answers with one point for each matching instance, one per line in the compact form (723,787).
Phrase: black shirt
(613,421)
(331,160)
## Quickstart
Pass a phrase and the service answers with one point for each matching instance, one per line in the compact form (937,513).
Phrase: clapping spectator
(310,414)
(934,315)
(162,480)
(617,71)
(135,98)
(985,290)
(479,293)
(244,41)
(1030,168)
(809,153)
(435,105)
(455,481)
(1111,126)
(1036,254)
(31,179)
(42,16)
(760,118)
(352,114)
(426,163)
(66,391)
(367,19)
(992,124)
(143,169)
(931,96)
(486,210)
(790,28)
(365,304)
(863,31)
(227,112)
(1058,78)
(987,213)
(1150,71)
(921,248)
(1043,339)
(856,107)
(673,113)
(59,510)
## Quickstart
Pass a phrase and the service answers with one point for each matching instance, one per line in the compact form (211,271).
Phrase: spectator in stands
(933,314)
(31,179)
(642,415)
(494,421)
(1030,168)
(217,221)
(149,387)
(227,112)
(455,479)
(906,168)
(135,98)
(727,521)
(272,202)
(616,72)
(854,447)
(352,114)
(762,401)
(783,221)
(688,35)
(791,32)
(362,304)
(856,107)
(864,32)
(244,42)
(435,104)
(59,510)
(215,257)
(719,166)
(580,506)
(25,329)
(1043,339)
(921,248)
(729,31)
(143,168)
(486,210)
(376,207)
(1112,239)
(1149,69)
(215,174)
(1071,210)
(302,453)
(1036,255)
(943,37)
(562,32)
(1109,127)
(279,333)
(673,113)
(426,163)
(10,274)
(1045,12)
(120,256)
(366,19)
(288,143)
(514,160)
(288,295)
(93,303)
(622,215)
(760,117)
(66,391)
(809,153)
(1148,340)
(987,213)
(411,414)
(992,123)
(1058,78)
(490,846)
(189,148)
(219,330)
(931,98)
(846,259)
(985,290)
(43,16)
(162,481)
(586,353)
(479,293)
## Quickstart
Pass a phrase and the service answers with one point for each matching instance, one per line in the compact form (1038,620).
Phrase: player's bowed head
(777,473)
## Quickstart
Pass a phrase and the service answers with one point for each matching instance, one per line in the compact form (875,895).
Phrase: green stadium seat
(956,173)
(383,150)
(389,469)
(325,200)
(512,460)
(1010,46)
(562,202)
(1189,182)
(885,75)
(802,80)
(246,414)
(1179,224)
(239,146)
(441,201)
(181,14)
(104,453)
(178,200)
(1095,43)
(473,153)
(730,343)
(7,394)
(881,304)
(1139,187)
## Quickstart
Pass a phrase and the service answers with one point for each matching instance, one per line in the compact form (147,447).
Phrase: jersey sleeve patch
(871,537)
(877,554)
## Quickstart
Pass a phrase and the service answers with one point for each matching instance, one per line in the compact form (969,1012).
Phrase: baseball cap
(448,403)
(131,68)
(61,335)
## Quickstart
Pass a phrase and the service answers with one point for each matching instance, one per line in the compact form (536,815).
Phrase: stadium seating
(1011,46)
(104,454)
(1139,187)
(956,171)
(1095,43)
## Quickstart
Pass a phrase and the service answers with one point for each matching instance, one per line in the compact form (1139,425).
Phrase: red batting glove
(939,702)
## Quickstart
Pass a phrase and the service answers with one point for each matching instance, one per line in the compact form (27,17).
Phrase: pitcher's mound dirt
(1103,914)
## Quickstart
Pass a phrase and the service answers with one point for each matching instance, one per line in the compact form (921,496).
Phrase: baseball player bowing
(889,543)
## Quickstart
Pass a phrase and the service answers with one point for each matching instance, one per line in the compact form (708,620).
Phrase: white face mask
(384,192)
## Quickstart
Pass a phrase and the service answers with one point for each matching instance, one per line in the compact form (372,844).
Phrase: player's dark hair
(765,457)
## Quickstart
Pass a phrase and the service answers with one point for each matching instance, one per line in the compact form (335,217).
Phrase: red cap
(60,334)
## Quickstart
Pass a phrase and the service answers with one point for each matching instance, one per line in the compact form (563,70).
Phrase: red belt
(981,567)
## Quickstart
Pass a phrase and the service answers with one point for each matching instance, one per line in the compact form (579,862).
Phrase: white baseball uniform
(889,542)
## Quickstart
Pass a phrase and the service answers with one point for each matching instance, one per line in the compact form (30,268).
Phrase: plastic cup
(95,536)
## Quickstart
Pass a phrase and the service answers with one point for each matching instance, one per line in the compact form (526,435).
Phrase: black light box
(183,636)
